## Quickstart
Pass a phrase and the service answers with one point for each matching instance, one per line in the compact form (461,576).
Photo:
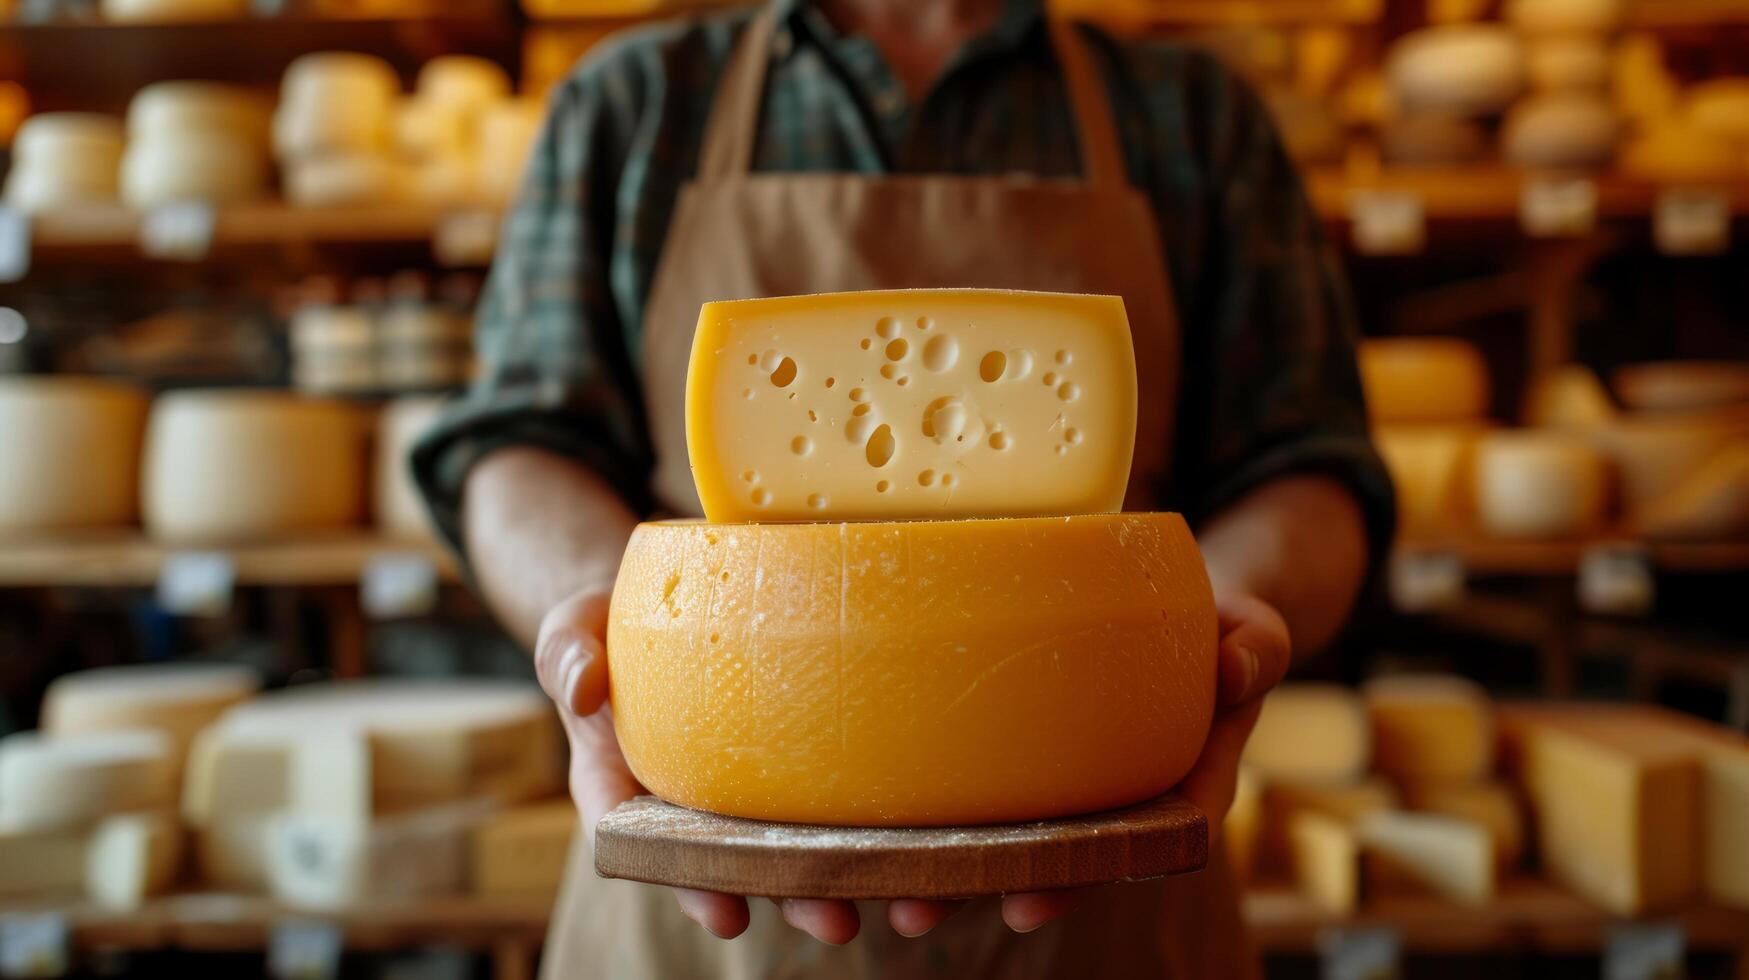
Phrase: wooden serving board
(651,841)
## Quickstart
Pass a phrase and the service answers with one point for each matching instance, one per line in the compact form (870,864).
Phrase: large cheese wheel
(1564,130)
(218,167)
(1314,732)
(1586,17)
(463,82)
(177,109)
(398,508)
(144,11)
(64,159)
(1578,63)
(1570,396)
(1423,379)
(1432,140)
(427,129)
(50,781)
(340,77)
(1464,69)
(1711,504)
(1673,151)
(1655,454)
(913,673)
(1430,729)
(1720,107)
(50,136)
(1431,467)
(1539,484)
(69,453)
(1676,386)
(177,700)
(343,180)
(239,464)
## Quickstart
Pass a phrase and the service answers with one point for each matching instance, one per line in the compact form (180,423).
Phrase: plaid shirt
(1269,378)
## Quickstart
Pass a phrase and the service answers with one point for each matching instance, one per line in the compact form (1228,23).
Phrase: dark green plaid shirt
(1270,384)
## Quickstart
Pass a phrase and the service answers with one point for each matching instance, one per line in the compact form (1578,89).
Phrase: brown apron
(736,235)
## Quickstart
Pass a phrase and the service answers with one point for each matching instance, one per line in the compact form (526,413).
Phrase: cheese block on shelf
(911,403)
(398,508)
(1655,454)
(1679,386)
(181,108)
(42,864)
(1450,856)
(1492,805)
(133,857)
(1569,63)
(232,854)
(1720,107)
(177,700)
(919,672)
(1570,396)
(1413,380)
(1242,831)
(1285,800)
(51,781)
(1325,862)
(216,168)
(338,862)
(1311,733)
(1712,504)
(523,851)
(1562,131)
(1433,140)
(1430,729)
(69,453)
(1432,467)
(1461,69)
(1539,484)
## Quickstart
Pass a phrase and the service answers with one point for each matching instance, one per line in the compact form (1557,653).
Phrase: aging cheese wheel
(51,136)
(1570,396)
(913,673)
(1430,729)
(1432,467)
(69,453)
(63,159)
(343,180)
(1574,63)
(216,167)
(523,851)
(1721,107)
(238,464)
(1539,484)
(1432,140)
(1423,379)
(1313,732)
(1564,130)
(399,510)
(1683,385)
(1463,69)
(340,77)
(1673,151)
(177,700)
(1655,454)
(463,82)
(1583,17)
(1711,504)
(178,109)
(147,11)
(50,781)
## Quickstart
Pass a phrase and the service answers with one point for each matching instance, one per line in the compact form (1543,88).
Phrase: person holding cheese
(826,145)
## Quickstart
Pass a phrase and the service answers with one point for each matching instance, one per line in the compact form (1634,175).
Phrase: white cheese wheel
(176,700)
(346,180)
(1710,505)
(69,452)
(335,862)
(226,465)
(1431,467)
(50,781)
(146,11)
(1656,453)
(1539,484)
(1564,16)
(35,188)
(508,130)
(50,137)
(1311,732)
(1679,386)
(177,109)
(1570,396)
(216,167)
(1432,140)
(329,78)
(1423,379)
(42,865)
(1569,63)
(1673,151)
(1465,69)
(1720,107)
(465,83)
(399,509)
(1565,130)
(131,858)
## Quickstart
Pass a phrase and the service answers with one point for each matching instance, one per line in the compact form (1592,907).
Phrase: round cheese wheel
(42,187)
(135,11)
(216,166)
(1712,504)
(1720,107)
(1316,733)
(507,132)
(69,453)
(1566,130)
(1564,16)
(1423,379)
(1676,152)
(1538,484)
(348,179)
(463,82)
(1431,140)
(1431,467)
(399,509)
(175,109)
(1463,69)
(322,328)
(240,464)
(1569,63)
(333,78)
(1570,396)
(175,700)
(51,137)
(307,130)
(1656,453)
(426,129)
(335,372)
(1683,385)
(54,781)
(913,673)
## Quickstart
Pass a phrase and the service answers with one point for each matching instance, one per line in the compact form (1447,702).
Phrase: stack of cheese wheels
(69,453)
(1427,398)
(1462,70)
(398,509)
(906,474)
(195,141)
(426,342)
(507,133)
(238,464)
(1539,484)
(175,700)
(334,347)
(438,129)
(153,11)
(337,794)
(65,158)
(333,131)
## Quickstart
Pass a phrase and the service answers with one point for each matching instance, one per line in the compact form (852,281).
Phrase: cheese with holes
(1432,467)
(911,403)
(69,453)
(131,858)
(523,851)
(236,464)
(1461,69)
(1325,862)
(1311,732)
(49,781)
(1539,484)
(1562,131)
(177,700)
(1710,505)
(42,864)
(400,511)
(1656,454)
(917,672)
(1570,396)
(1676,386)
(331,862)
(1423,380)
(1430,728)
(1284,801)
(1448,856)
(1492,805)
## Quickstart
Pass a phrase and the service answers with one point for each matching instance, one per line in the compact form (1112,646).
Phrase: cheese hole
(1064,357)
(861,410)
(812,417)
(940,353)
(881,447)
(924,323)
(897,350)
(883,486)
(948,479)
(1049,379)
(867,343)
(902,382)
(887,327)
(710,537)
(1062,450)
(669,587)
(944,419)
(1019,363)
(1072,436)
(801,445)
(831,381)
(785,375)
(927,478)
(857,394)
(887,371)
(751,476)
(753,359)
(817,501)
(993,366)
(725,576)
(998,440)
(762,496)
(746,392)
(716,637)
(1068,391)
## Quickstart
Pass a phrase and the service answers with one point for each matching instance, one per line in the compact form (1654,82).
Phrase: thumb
(570,657)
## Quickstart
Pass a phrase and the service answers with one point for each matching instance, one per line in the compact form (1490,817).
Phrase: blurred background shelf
(1490,193)
(1500,556)
(127,559)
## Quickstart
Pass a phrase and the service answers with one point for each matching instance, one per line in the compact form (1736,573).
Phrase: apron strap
(734,120)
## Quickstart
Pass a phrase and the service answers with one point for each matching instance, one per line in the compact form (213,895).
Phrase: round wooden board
(651,841)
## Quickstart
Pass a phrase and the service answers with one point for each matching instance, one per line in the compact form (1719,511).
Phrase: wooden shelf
(267,223)
(1486,194)
(1495,556)
(126,559)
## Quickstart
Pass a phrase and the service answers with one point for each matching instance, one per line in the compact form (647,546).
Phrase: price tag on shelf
(1361,953)
(197,583)
(1616,579)
(466,237)
(304,949)
(398,584)
(1644,951)
(34,945)
(14,244)
(1387,222)
(1426,581)
(1692,221)
(180,232)
(1556,207)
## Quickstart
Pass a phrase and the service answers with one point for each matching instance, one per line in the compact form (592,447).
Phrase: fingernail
(1249,657)
(576,660)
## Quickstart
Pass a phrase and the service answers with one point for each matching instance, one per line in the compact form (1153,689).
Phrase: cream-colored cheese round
(1432,140)
(1466,69)
(309,129)
(129,11)
(1562,130)
(340,180)
(50,136)
(68,781)
(40,188)
(175,109)
(1414,380)
(463,82)
(1564,16)
(69,452)
(1674,151)
(328,77)
(1567,63)
(398,508)
(215,166)
(1538,484)
(235,464)
(175,699)
(1720,107)
(507,132)
(426,128)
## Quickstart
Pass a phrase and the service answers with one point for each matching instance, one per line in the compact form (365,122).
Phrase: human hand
(1254,655)
(571,661)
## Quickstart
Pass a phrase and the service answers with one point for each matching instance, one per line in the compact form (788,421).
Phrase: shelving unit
(124,559)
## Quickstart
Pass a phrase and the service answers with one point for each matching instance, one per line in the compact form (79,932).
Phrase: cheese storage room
(874,489)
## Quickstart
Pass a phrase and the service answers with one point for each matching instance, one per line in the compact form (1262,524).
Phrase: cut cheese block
(1462,69)
(1570,396)
(1656,454)
(1311,732)
(1491,805)
(1432,140)
(1720,107)
(49,781)
(334,103)
(235,464)
(1242,830)
(1562,130)
(173,110)
(1539,484)
(399,509)
(523,851)
(1708,506)
(1284,801)
(1583,17)
(215,167)
(161,11)
(1449,856)
(1325,859)
(911,403)
(232,854)
(913,673)
(133,857)
(42,865)
(1670,150)
(337,862)
(342,179)
(176,700)
(1423,379)
(1677,386)
(1430,728)
(1432,467)
(1569,63)
(82,439)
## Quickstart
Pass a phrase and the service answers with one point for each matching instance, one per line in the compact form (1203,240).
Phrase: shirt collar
(1018,20)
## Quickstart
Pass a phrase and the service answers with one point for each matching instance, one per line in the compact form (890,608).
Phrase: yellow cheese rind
(913,673)
(911,404)
(72,447)
(1311,732)
(1430,728)
(1423,380)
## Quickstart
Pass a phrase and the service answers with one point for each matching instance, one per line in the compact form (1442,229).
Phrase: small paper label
(34,945)
(197,583)
(395,585)
(1426,581)
(1644,951)
(180,232)
(468,237)
(301,949)
(1616,579)
(1554,207)
(14,244)
(1369,953)
(1692,221)
(1387,222)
